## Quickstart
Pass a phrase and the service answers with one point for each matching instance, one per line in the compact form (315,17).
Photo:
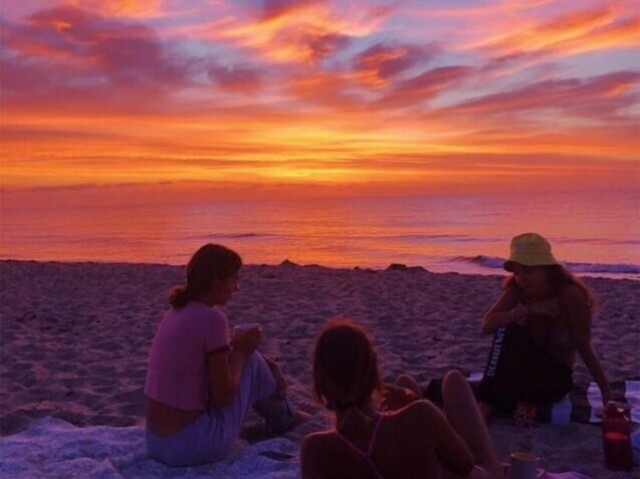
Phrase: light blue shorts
(211,437)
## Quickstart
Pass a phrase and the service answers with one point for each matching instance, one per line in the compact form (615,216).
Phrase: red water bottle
(616,436)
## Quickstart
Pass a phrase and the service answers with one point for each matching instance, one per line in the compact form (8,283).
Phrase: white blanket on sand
(53,448)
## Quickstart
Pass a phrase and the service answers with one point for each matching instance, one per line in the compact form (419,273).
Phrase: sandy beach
(75,338)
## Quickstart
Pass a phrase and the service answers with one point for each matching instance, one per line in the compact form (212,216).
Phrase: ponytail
(352,416)
(179,297)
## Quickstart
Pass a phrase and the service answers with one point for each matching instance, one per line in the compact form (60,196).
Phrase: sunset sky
(371,97)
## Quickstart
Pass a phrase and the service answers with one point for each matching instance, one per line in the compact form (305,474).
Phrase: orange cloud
(605,96)
(308,92)
(79,55)
(379,64)
(298,31)
(122,8)
(425,86)
(574,33)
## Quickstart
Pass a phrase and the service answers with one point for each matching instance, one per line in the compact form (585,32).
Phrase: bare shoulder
(418,413)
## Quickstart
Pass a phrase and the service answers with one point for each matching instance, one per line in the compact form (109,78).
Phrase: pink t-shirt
(177,374)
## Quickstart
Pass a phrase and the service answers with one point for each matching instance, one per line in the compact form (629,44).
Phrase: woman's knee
(454,380)
(258,378)
(255,358)
(456,390)
(256,366)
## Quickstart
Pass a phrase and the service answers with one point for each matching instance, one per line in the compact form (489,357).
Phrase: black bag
(519,370)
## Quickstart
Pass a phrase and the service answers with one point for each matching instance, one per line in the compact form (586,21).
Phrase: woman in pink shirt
(200,384)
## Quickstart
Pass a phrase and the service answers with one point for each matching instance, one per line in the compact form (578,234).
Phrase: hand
(607,395)
(520,314)
(613,407)
(394,397)
(281,383)
(246,342)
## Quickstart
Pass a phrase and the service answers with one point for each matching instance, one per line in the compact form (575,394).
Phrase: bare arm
(504,311)
(225,368)
(224,376)
(573,300)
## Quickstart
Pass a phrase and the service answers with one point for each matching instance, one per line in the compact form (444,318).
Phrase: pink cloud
(600,97)
(327,89)
(123,8)
(309,43)
(427,85)
(237,78)
(382,62)
(273,9)
(297,32)
(70,51)
(604,28)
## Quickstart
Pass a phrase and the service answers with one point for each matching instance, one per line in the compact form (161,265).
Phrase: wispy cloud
(379,64)
(66,54)
(297,31)
(123,8)
(604,97)
(602,28)
(314,91)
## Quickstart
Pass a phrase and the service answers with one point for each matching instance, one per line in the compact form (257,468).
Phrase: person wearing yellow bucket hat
(540,321)
(529,249)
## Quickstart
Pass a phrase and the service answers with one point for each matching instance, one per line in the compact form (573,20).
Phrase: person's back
(416,440)
(177,358)
(410,444)
(201,383)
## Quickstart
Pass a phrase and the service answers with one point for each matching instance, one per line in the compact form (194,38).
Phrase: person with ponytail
(200,384)
(386,432)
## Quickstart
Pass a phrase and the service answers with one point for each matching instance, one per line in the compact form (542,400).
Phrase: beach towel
(53,448)
(584,402)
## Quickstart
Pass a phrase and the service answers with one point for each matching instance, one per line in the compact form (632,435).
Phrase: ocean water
(594,233)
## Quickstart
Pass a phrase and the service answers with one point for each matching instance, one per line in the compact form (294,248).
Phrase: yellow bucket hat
(529,249)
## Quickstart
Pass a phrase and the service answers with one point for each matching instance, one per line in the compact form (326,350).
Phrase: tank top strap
(372,440)
(374,435)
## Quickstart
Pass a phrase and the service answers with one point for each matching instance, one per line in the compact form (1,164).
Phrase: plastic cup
(525,465)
